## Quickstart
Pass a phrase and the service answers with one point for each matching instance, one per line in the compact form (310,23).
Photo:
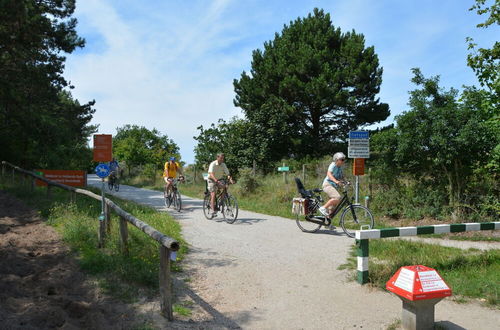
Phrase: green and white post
(363,249)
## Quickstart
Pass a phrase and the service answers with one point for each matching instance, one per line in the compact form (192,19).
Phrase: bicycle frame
(343,202)
(173,184)
(219,195)
(328,220)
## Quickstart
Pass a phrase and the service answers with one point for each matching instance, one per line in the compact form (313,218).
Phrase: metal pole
(102,218)
(102,201)
(357,190)
(304,173)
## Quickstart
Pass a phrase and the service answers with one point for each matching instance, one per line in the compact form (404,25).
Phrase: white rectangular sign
(431,281)
(405,280)
(358,153)
(359,145)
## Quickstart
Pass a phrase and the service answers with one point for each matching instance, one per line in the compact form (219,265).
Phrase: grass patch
(396,324)
(123,276)
(470,273)
(472,237)
(182,309)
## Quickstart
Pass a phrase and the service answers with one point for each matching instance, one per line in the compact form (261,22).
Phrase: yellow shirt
(171,169)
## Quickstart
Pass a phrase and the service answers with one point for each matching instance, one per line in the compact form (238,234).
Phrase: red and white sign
(417,283)
(67,177)
(103,147)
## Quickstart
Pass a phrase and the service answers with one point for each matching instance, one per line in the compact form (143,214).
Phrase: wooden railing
(167,244)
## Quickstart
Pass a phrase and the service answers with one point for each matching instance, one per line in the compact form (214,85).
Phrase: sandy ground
(262,272)
(41,286)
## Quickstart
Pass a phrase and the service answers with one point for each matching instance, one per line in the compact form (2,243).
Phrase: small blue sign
(359,135)
(102,170)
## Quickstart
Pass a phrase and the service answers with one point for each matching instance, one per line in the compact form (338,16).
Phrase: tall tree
(235,138)
(140,146)
(34,108)
(310,86)
(441,137)
(486,61)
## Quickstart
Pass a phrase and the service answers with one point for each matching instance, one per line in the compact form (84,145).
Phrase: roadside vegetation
(471,274)
(125,277)
(269,194)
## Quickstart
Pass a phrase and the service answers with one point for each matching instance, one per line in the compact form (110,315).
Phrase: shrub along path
(262,272)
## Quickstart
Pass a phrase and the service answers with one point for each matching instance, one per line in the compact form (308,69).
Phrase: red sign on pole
(358,167)
(103,148)
(417,283)
(67,177)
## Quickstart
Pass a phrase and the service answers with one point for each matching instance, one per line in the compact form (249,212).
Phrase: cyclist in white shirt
(216,171)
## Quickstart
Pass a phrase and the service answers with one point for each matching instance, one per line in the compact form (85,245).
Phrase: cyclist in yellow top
(170,172)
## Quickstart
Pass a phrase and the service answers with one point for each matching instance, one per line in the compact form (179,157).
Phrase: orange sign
(358,167)
(103,146)
(67,177)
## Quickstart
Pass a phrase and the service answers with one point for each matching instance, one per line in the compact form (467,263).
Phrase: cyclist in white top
(216,171)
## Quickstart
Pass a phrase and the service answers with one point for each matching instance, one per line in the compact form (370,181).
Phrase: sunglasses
(342,159)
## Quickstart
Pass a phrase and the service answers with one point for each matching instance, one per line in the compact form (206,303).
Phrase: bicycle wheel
(167,198)
(229,208)
(110,184)
(173,196)
(354,217)
(178,205)
(117,185)
(309,226)
(207,210)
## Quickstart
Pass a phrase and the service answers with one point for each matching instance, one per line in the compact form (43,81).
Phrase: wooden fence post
(3,170)
(13,170)
(32,188)
(107,214)
(165,284)
(49,190)
(304,173)
(254,168)
(124,235)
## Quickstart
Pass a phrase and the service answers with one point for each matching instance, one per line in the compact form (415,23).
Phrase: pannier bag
(300,206)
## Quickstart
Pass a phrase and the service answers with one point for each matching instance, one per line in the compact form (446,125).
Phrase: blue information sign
(102,170)
(358,135)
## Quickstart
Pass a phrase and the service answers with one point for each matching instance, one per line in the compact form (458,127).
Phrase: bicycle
(173,196)
(309,219)
(224,202)
(113,182)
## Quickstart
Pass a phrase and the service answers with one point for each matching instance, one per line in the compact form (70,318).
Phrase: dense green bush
(247,180)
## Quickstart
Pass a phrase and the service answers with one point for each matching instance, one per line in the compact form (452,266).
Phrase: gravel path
(262,272)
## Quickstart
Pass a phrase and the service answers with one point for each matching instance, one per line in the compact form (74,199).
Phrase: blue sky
(170,64)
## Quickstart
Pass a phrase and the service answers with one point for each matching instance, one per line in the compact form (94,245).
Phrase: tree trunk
(449,176)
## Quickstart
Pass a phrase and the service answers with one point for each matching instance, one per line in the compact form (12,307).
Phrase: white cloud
(170,65)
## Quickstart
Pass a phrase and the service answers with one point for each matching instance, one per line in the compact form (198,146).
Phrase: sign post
(420,288)
(102,170)
(284,169)
(359,149)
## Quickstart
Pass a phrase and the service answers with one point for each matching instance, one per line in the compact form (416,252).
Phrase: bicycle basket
(300,206)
